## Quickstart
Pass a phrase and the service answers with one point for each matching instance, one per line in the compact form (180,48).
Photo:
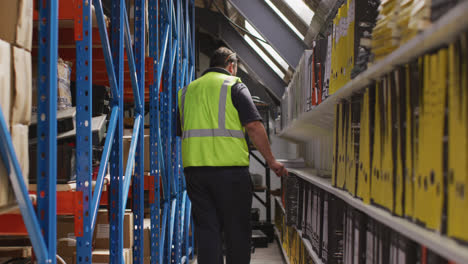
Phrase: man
(213,112)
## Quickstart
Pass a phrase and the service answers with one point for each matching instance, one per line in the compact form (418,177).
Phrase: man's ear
(230,68)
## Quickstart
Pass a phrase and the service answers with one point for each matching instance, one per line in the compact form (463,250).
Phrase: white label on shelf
(309,212)
(356,245)
(325,226)
(102,231)
(350,238)
(304,210)
(314,218)
(401,256)
(369,247)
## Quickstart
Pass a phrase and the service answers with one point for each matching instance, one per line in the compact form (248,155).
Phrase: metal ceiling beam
(324,13)
(256,88)
(272,28)
(291,15)
(219,27)
(208,44)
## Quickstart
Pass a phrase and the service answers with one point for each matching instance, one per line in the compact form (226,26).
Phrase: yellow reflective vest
(212,133)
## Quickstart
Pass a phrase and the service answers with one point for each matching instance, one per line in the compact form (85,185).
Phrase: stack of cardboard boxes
(66,240)
(15,84)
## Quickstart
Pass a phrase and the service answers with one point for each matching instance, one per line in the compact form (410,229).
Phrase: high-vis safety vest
(212,133)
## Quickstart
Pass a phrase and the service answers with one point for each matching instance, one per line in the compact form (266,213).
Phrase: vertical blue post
(116,168)
(138,178)
(167,101)
(154,127)
(165,167)
(47,124)
(175,141)
(192,52)
(83,128)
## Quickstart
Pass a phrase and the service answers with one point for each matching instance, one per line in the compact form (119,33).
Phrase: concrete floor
(270,255)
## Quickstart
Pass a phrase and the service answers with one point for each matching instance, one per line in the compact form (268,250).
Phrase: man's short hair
(222,57)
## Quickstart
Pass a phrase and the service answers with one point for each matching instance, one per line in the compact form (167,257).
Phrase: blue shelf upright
(47,126)
(83,131)
(154,200)
(138,179)
(171,51)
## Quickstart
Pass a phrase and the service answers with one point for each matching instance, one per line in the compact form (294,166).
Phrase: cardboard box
(147,240)
(4,185)
(5,101)
(15,252)
(21,87)
(9,253)
(17,22)
(101,231)
(66,247)
(5,80)
(103,256)
(19,137)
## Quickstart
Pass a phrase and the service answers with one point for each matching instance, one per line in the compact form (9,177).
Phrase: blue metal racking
(171,49)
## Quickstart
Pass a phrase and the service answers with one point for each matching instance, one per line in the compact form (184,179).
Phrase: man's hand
(259,137)
(278,168)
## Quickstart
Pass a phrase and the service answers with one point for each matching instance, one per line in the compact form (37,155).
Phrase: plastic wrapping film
(64,96)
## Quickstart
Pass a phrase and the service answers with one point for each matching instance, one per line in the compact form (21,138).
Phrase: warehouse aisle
(270,255)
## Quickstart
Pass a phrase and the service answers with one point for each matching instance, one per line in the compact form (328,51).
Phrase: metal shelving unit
(442,245)
(171,49)
(320,120)
(306,242)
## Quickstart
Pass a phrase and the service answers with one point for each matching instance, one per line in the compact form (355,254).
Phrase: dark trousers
(221,200)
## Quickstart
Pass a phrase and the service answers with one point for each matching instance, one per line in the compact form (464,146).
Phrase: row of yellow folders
(353,19)
(403,143)
(291,240)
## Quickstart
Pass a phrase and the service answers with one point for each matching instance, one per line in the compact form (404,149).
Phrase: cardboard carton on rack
(127,139)
(101,232)
(17,22)
(5,101)
(66,240)
(19,138)
(5,80)
(103,256)
(21,86)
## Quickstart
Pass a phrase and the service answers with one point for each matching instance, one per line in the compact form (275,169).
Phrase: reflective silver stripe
(222,104)
(213,133)
(182,105)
